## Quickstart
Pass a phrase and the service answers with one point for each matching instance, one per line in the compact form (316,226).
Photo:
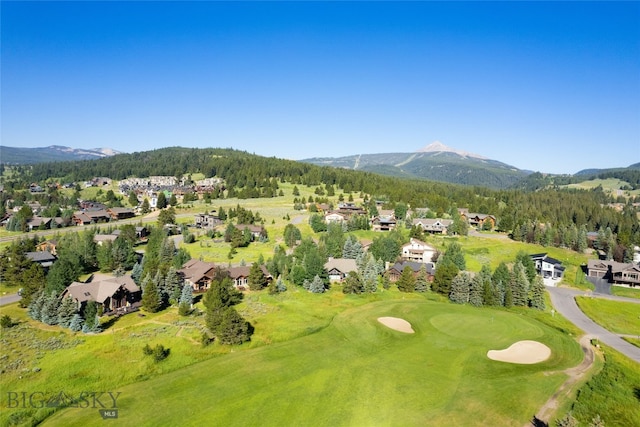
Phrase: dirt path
(575,374)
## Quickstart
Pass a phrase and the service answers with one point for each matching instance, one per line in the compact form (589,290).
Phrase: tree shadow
(636,392)
(537,422)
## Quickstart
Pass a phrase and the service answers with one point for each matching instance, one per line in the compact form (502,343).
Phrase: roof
(416,242)
(40,256)
(244,270)
(194,269)
(101,290)
(105,237)
(344,265)
(415,266)
(545,258)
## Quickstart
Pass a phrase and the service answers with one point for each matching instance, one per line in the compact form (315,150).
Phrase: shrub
(5,321)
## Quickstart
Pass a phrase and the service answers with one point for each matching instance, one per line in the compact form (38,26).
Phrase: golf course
(356,371)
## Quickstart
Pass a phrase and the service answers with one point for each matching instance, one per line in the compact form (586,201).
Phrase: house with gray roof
(339,268)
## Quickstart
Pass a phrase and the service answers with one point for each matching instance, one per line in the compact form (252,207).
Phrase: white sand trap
(523,352)
(396,324)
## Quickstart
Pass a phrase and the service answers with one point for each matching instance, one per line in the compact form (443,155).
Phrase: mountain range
(435,162)
(52,153)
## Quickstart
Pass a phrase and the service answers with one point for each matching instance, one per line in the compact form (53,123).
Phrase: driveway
(9,299)
(564,302)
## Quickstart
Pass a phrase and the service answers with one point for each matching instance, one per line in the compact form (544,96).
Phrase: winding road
(564,302)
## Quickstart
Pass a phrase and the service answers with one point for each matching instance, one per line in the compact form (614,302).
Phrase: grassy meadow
(355,371)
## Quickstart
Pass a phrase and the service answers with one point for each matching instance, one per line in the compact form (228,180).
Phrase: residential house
(618,273)
(384,222)
(114,294)
(433,226)
(90,217)
(334,218)
(44,258)
(349,209)
(549,268)
(39,223)
(418,251)
(394,272)
(198,274)
(207,221)
(121,213)
(339,268)
(477,219)
(141,232)
(49,246)
(240,276)
(100,239)
(257,231)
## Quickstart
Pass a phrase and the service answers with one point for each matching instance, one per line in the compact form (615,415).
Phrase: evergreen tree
(36,305)
(446,270)
(151,299)
(49,313)
(528,264)
(146,207)
(369,274)
(76,323)
(291,235)
(352,284)
(508,295)
(33,281)
(422,281)
(476,291)
(161,203)
(173,284)
(233,328)
(133,199)
(136,273)
(66,311)
(256,279)
(407,281)
(460,288)
(519,285)
(317,285)
(490,294)
(501,278)
(186,300)
(91,321)
(455,255)
(536,294)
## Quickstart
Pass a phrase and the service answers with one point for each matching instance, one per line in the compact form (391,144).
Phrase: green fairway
(357,372)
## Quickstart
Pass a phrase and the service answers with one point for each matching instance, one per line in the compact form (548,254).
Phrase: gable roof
(343,265)
(194,269)
(40,256)
(415,266)
(101,290)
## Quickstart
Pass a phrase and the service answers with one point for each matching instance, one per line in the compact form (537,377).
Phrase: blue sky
(546,86)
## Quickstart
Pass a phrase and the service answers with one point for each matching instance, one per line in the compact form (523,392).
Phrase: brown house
(395,271)
(121,213)
(240,276)
(617,273)
(114,294)
(198,274)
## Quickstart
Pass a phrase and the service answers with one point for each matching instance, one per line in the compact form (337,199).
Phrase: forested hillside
(436,166)
(246,175)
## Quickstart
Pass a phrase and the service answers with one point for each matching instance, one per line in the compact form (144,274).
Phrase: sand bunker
(523,352)
(396,324)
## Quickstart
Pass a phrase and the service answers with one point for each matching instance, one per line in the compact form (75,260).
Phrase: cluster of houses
(386,219)
(149,188)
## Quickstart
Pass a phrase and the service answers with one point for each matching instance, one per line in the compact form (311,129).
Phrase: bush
(158,352)
(5,321)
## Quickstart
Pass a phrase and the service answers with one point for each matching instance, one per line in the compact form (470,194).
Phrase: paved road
(564,302)
(9,299)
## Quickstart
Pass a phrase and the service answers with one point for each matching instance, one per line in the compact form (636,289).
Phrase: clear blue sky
(547,86)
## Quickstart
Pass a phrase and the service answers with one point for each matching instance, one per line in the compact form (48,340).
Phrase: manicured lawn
(622,291)
(616,316)
(355,371)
